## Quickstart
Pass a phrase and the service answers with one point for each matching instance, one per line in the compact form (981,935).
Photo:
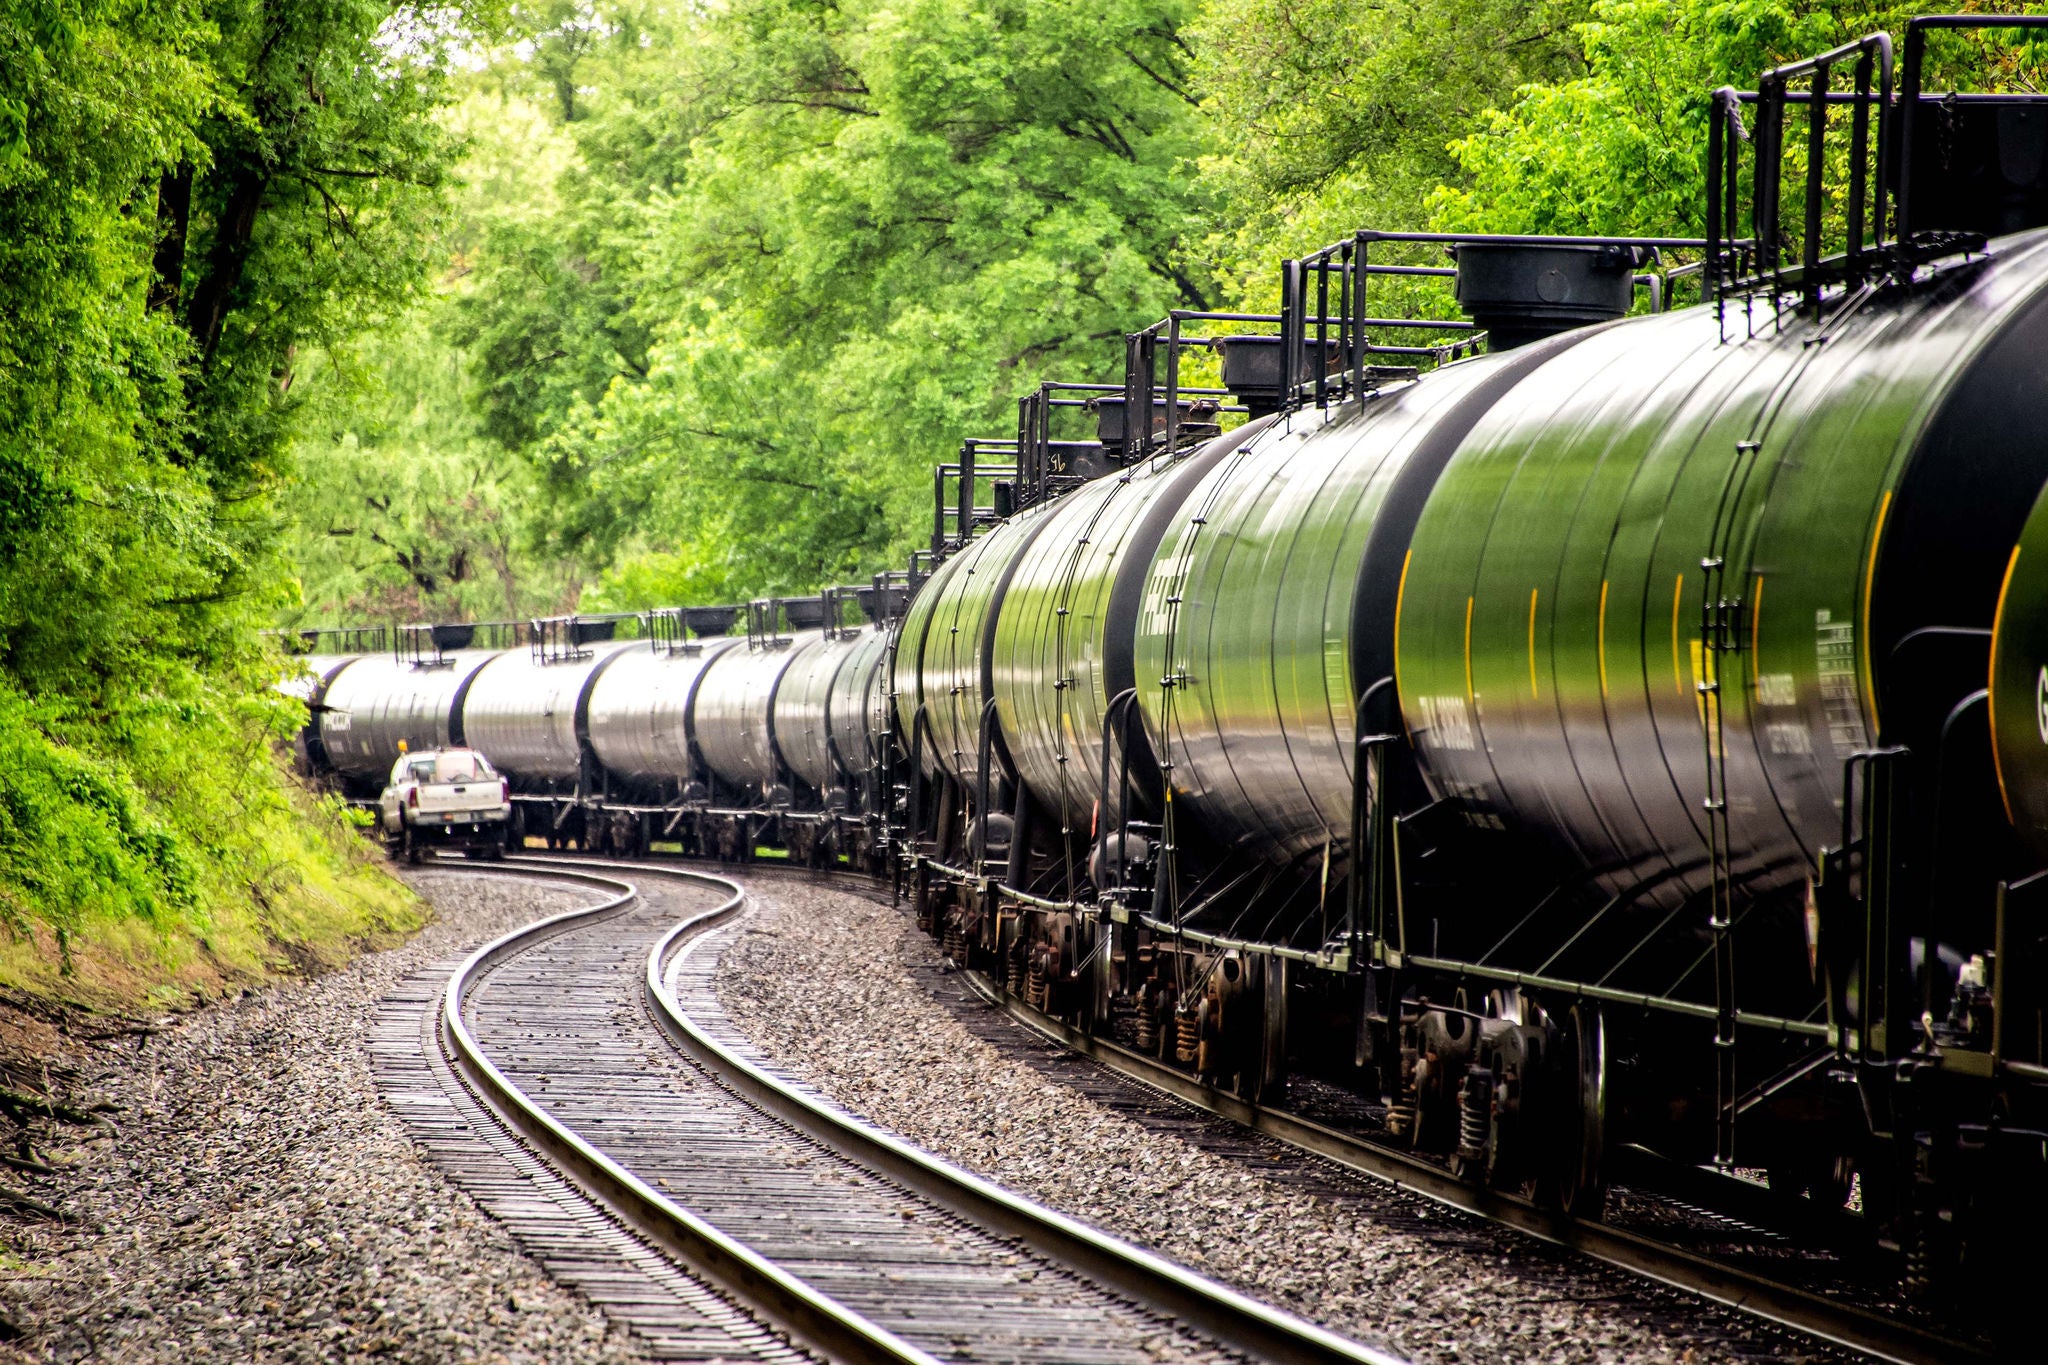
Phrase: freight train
(1592,730)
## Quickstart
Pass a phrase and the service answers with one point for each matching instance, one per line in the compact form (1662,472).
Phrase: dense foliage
(729,279)
(191,193)
(325,310)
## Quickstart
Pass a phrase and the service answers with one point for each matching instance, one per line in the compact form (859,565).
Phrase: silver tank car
(526,716)
(375,703)
(945,655)
(856,709)
(820,746)
(640,710)
(734,718)
(1254,601)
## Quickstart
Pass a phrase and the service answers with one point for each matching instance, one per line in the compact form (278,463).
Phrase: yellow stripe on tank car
(1603,639)
(1884,508)
(1401,596)
(1532,644)
(1991,684)
(1756,614)
(1677,672)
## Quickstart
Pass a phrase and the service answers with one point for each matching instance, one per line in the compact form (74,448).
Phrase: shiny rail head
(820,1323)
(1236,1320)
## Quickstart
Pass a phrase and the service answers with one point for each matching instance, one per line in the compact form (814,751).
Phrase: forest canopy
(724,281)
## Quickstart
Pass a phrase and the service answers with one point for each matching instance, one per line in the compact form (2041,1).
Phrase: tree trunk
(173,214)
(233,236)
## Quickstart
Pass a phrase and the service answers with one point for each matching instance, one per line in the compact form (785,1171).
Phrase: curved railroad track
(1792,1301)
(847,1243)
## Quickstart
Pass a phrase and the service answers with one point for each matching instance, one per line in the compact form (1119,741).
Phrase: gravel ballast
(254,1199)
(824,983)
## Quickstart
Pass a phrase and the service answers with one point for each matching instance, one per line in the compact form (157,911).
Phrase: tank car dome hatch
(1521,294)
(705,622)
(1113,427)
(1082,459)
(1252,368)
(2019,683)
(448,637)
(803,613)
(1979,165)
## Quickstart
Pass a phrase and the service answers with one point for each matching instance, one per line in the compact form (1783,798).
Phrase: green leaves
(1622,149)
(810,246)
(191,192)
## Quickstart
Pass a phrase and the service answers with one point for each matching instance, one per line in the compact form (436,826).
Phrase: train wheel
(1581,1156)
(1269,1078)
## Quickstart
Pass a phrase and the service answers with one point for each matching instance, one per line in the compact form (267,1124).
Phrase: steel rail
(1234,1320)
(1859,1329)
(785,1302)
(1855,1328)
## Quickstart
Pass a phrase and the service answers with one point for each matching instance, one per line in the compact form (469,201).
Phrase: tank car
(376,707)
(687,735)
(1617,747)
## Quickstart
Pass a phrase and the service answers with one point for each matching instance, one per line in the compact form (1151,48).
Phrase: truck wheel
(414,854)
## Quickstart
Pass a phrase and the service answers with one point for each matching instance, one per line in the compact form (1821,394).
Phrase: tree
(1326,116)
(1622,149)
(810,245)
(190,192)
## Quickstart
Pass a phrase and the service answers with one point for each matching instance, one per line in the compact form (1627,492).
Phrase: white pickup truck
(444,798)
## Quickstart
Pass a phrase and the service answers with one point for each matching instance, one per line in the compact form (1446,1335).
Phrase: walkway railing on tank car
(333,639)
(1736,264)
(892,589)
(956,511)
(1888,225)
(422,645)
(502,634)
(1048,467)
(766,626)
(1325,330)
(683,630)
(563,639)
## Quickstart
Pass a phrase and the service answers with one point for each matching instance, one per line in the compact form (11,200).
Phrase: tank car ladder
(1721,635)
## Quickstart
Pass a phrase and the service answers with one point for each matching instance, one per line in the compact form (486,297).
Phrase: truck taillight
(412,798)
(504,791)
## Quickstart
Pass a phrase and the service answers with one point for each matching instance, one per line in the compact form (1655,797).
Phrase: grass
(158,852)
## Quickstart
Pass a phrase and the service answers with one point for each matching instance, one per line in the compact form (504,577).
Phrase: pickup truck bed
(446,798)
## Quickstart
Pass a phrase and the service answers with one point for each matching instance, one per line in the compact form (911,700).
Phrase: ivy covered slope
(192,193)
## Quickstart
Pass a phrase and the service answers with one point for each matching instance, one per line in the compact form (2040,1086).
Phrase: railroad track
(1867,1328)
(847,1243)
